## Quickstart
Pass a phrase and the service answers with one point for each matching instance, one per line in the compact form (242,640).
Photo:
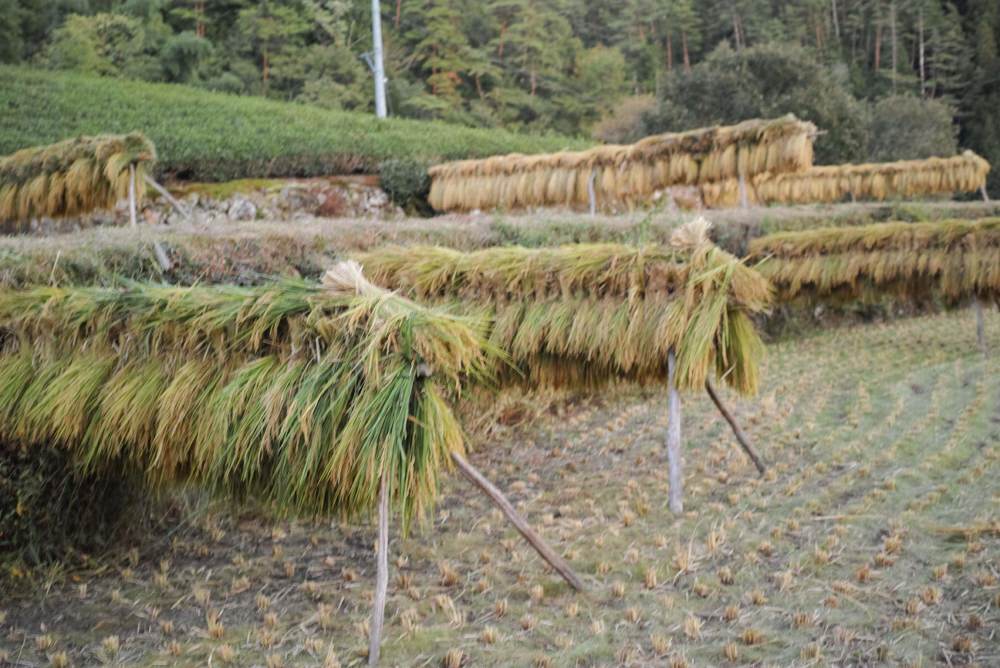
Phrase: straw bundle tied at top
(952,259)
(587,314)
(876,181)
(622,174)
(296,394)
(72,177)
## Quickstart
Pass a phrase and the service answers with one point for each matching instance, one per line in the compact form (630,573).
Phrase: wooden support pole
(740,436)
(131,194)
(591,193)
(161,256)
(501,502)
(744,197)
(980,324)
(675,464)
(167,196)
(381,574)
(986,195)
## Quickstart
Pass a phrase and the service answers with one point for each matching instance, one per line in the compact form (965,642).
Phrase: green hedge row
(207,136)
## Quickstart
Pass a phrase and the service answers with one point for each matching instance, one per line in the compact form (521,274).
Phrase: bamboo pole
(740,436)
(381,575)
(501,502)
(131,194)
(675,465)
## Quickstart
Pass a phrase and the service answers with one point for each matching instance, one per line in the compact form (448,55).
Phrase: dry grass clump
(302,395)
(589,314)
(623,174)
(72,177)
(953,259)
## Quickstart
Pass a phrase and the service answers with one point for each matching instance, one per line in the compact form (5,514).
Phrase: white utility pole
(378,69)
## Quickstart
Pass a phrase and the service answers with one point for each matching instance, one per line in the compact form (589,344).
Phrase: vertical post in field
(980,324)
(591,193)
(131,194)
(675,464)
(744,198)
(378,66)
(381,574)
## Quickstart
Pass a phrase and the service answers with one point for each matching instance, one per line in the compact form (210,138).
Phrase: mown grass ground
(251,251)
(881,439)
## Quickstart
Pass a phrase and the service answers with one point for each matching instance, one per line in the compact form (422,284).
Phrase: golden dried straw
(623,174)
(299,395)
(72,177)
(951,259)
(875,181)
(589,314)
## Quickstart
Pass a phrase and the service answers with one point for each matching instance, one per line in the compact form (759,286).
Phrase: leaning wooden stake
(986,196)
(675,465)
(381,575)
(501,502)
(740,436)
(131,194)
(167,196)
(980,324)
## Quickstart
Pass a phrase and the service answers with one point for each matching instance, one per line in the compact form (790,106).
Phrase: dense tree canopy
(562,66)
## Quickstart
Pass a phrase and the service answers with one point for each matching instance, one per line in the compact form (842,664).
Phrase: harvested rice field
(874,538)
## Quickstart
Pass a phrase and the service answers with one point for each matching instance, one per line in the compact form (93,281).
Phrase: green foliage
(40,487)
(905,127)
(981,129)
(214,137)
(764,82)
(518,63)
(11,41)
(623,124)
(405,181)
(108,45)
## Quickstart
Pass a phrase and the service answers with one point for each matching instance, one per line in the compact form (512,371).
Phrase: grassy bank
(250,251)
(214,137)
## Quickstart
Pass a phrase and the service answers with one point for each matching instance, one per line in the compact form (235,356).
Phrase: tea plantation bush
(207,136)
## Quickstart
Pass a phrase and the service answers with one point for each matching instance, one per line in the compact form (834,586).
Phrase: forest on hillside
(886,79)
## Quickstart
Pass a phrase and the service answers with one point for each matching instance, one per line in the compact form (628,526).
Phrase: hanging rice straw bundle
(72,177)
(955,260)
(878,181)
(624,174)
(588,314)
(299,395)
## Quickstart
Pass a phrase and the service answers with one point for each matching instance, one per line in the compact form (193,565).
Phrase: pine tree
(268,30)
